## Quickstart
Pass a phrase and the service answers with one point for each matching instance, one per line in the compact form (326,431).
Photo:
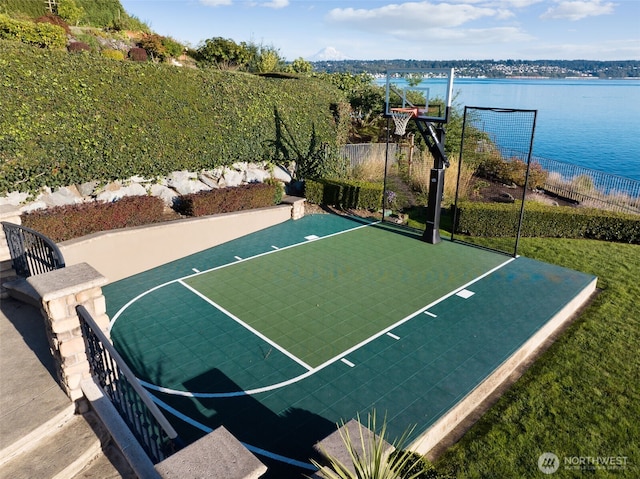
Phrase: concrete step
(63,448)
(109,465)
(21,290)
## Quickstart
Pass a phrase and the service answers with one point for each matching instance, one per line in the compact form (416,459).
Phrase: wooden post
(412,144)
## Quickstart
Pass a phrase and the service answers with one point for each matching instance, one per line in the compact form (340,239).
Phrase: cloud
(512,3)
(467,37)
(420,22)
(216,3)
(577,10)
(275,4)
(410,16)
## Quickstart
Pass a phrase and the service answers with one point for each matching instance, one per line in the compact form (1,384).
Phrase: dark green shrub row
(67,119)
(66,222)
(227,200)
(344,193)
(497,220)
(43,35)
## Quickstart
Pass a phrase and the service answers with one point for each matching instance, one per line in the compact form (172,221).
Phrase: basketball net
(401,117)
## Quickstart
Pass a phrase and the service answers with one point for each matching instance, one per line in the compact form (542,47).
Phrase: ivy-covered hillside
(69,118)
(95,13)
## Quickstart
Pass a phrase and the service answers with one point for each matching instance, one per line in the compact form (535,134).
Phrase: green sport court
(283,333)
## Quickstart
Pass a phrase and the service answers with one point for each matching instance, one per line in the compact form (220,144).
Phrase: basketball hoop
(401,117)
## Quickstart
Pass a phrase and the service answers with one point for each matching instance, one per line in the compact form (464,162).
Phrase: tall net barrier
(494,173)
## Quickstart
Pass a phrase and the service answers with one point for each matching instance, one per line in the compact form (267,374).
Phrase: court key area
(282,334)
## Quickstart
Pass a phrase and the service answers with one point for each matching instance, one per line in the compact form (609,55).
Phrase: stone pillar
(298,209)
(297,206)
(12,215)
(60,292)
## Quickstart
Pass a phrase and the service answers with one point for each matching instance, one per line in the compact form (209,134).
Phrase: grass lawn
(581,398)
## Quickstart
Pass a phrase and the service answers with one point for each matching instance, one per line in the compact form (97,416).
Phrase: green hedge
(43,35)
(499,220)
(67,119)
(226,200)
(66,222)
(344,193)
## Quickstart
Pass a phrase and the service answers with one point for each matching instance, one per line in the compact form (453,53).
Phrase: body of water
(590,123)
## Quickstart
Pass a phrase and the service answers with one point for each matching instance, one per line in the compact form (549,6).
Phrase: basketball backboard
(428,90)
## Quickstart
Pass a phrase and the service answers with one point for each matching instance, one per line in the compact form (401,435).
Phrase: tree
(268,61)
(223,53)
(367,104)
(153,45)
(263,59)
(300,65)
(159,47)
(69,11)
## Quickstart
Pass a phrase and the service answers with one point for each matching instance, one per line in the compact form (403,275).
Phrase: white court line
(207,430)
(195,270)
(428,313)
(465,293)
(274,247)
(141,295)
(238,258)
(246,326)
(347,362)
(391,335)
(309,372)
(329,362)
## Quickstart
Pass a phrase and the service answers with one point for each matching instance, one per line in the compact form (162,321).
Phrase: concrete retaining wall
(118,254)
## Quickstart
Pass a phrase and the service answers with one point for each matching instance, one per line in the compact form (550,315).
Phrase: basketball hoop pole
(434,138)
(430,124)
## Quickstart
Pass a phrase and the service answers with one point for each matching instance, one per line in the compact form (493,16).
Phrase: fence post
(60,291)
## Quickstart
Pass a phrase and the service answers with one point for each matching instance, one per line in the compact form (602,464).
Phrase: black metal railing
(152,430)
(591,187)
(31,252)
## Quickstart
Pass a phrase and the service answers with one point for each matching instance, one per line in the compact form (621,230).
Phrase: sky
(412,30)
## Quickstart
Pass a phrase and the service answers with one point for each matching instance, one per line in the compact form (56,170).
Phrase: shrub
(494,167)
(113,54)
(65,222)
(499,220)
(344,193)
(173,48)
(75,47)
(153,45)
(138,54)
(43,35)
(367,458)
(227,200)
(69,11)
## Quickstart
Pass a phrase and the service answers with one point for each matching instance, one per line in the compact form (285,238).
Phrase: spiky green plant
(370,455)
